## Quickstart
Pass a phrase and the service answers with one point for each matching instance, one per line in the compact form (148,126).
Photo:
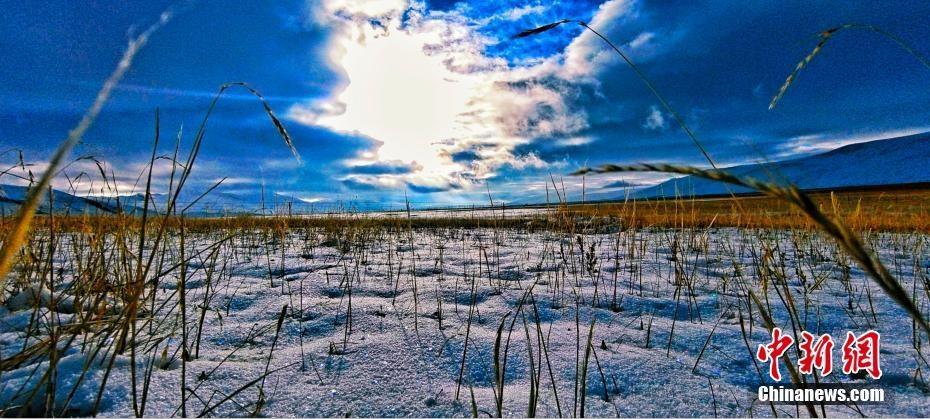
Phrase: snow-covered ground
(377,325)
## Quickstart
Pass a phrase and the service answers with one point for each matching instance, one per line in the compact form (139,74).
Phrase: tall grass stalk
(825,37)
(17,235)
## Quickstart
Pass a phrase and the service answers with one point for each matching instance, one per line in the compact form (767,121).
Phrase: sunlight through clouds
(399,95)
(419,84)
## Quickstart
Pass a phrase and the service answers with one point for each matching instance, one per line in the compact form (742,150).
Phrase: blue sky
(433,99)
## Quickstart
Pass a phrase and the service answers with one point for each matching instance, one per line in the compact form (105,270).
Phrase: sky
(436,101)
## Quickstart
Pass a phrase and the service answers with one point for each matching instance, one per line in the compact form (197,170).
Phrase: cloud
(586,55)
(367,182)
(528,161)
(387,182)
(361,9)
(575,141)
(465,156)
(520,12)
(808,144)
(419,84)
(429,188)
(385,168)
(655,120)
(641,40)
(621,184)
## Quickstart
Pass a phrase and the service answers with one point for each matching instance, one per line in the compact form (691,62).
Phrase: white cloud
(655,121)
(361,8)
(641,40)
(420,85)
(528,161)
(823,142)
(586,53)
(575,141)
(519,12)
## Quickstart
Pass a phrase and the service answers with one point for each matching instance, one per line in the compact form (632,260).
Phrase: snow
(18,385)
(398,361)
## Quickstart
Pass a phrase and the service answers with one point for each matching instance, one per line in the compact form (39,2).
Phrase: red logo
(817,355)
(860,354)
(774,350)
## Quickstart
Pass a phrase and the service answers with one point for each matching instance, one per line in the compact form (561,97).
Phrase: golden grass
(892,210)
(897,210)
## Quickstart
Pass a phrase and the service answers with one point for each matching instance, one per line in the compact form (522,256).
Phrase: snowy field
(405,323)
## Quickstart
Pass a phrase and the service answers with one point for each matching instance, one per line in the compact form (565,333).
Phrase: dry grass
(891,210)
(897,210)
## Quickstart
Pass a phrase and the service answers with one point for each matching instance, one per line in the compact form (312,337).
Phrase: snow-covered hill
(11,196)
(892,161)
(215,203)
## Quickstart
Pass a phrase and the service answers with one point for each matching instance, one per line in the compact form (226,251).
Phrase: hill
(895,161)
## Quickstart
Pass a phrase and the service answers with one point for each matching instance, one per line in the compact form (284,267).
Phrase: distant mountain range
(894,161)
(214,203)
(11,196)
